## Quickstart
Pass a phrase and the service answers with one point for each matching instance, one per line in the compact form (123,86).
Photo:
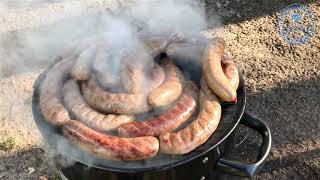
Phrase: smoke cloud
(116,27)
(27,48)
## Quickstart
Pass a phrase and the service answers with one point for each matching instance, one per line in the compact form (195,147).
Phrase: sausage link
(108,73)
(170,89)
(110,147)
(231,71)
(83,112)
(168,121)
(199,131)
(50,96)
(113,103)
(213,73)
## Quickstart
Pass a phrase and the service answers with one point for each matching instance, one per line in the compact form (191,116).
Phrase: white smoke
(25,48)
(33,48)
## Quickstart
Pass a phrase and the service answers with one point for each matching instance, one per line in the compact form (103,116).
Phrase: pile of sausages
(91,104)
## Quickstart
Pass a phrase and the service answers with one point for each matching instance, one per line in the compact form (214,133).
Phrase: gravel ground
(283,85)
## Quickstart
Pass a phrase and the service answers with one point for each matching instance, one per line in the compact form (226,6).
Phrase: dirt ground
(283,84)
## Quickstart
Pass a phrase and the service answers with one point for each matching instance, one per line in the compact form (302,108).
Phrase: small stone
(31,170)
(260,55)
(238,15)
(218,4)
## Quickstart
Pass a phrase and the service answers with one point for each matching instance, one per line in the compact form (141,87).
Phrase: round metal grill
(231,114)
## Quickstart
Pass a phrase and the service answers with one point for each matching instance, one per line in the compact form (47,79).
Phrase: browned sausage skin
(231,71)
(213,73)
(83,112)
(168,121)
(113,103)
(50,96)
(110,147)
(198,132)
(170,89)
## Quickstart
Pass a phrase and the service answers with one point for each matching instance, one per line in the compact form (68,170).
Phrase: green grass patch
(56,176)
(7,144)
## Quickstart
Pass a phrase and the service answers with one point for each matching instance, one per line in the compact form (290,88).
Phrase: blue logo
(297,24)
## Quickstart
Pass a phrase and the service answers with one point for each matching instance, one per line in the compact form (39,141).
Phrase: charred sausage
(83,112)
(108,102)
(110,147)
(50,96)
(198,132)
(213,73)
(168,121)
(170,89)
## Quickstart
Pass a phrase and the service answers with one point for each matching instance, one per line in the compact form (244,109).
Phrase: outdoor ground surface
(283,84)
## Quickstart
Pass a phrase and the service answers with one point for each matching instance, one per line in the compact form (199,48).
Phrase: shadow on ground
(236,11)
(292,113)
(28,164)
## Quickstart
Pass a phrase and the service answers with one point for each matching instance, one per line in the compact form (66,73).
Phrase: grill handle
(249,170)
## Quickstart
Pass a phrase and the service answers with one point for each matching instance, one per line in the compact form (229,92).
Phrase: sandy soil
(283,85)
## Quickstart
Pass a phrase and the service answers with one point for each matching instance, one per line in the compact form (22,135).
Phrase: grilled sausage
(83,112)
(108,72)
(113,103)
(50,96)
(81,69)
(198,132)
(213,73)
(168,121)
(170,89)
(231,71)
(110,147)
